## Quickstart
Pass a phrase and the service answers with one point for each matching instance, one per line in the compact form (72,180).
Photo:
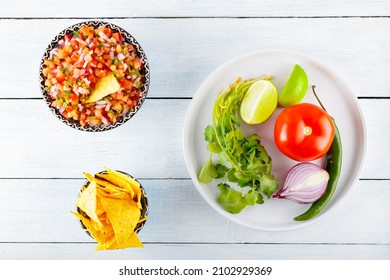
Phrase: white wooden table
(42,160)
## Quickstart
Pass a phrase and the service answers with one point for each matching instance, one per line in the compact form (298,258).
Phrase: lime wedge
(295,88)
(259,102)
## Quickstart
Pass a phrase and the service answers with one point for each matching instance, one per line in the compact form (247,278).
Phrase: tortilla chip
(106,245)
(132,182)
(131,242)
(89,225)
(105,86)
(123,216)
(119,182)
(99,206)
(106,185)
(87,202)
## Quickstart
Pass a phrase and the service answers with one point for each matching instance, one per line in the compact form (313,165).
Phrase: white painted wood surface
(182,52)
(198,8)
(42,160)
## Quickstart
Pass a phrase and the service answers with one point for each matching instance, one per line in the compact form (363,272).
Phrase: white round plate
(338,99)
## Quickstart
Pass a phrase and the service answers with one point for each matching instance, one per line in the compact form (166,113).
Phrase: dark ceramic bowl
(145,73)
(144,203)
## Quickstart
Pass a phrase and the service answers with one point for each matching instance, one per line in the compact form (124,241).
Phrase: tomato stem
(307,130)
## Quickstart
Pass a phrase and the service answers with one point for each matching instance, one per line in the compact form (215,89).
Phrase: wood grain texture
(39,211)
(70,251)
(37,145)
(183,52)
(200,8)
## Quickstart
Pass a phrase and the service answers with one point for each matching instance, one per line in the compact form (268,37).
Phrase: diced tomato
(137,63)
(126,83)
(92,78)
(101,73)
(67,38)
(130,47)
(71,80)
(76,73)
(60,77)
(98,113)
(75,57)
(75,99)
(107,31)
(74,43)
(50,64)
(120,66)
(45,71)
(118,37)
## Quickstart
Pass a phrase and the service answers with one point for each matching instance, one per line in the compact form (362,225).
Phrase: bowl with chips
(94,76)
(112,208)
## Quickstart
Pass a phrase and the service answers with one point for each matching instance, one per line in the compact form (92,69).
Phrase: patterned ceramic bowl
(75,69)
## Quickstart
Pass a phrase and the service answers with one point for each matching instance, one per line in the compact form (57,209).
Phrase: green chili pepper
(333,167)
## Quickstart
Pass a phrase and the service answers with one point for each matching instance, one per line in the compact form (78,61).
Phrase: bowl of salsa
(94,76)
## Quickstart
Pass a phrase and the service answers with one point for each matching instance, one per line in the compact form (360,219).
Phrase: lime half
(295,88)
(259,102)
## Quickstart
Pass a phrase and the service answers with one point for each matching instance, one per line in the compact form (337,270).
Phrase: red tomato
(304,132)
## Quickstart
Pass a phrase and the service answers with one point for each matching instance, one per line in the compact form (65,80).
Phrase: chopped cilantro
(242,159)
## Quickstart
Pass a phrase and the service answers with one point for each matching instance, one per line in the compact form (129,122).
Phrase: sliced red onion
(108,106)
(101,102)
(85,64)
(305,183)
(105,121)
(103,36)
(87,82)
(81,41)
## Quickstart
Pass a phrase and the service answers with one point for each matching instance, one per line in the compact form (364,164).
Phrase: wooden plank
(39,211)
(35,144)
(183,52)
(202,8)
(377,118)
(86,251)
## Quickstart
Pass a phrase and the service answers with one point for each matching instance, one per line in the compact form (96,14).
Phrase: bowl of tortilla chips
(112,208)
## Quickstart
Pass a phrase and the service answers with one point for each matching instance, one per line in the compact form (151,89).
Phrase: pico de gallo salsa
(76,65)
